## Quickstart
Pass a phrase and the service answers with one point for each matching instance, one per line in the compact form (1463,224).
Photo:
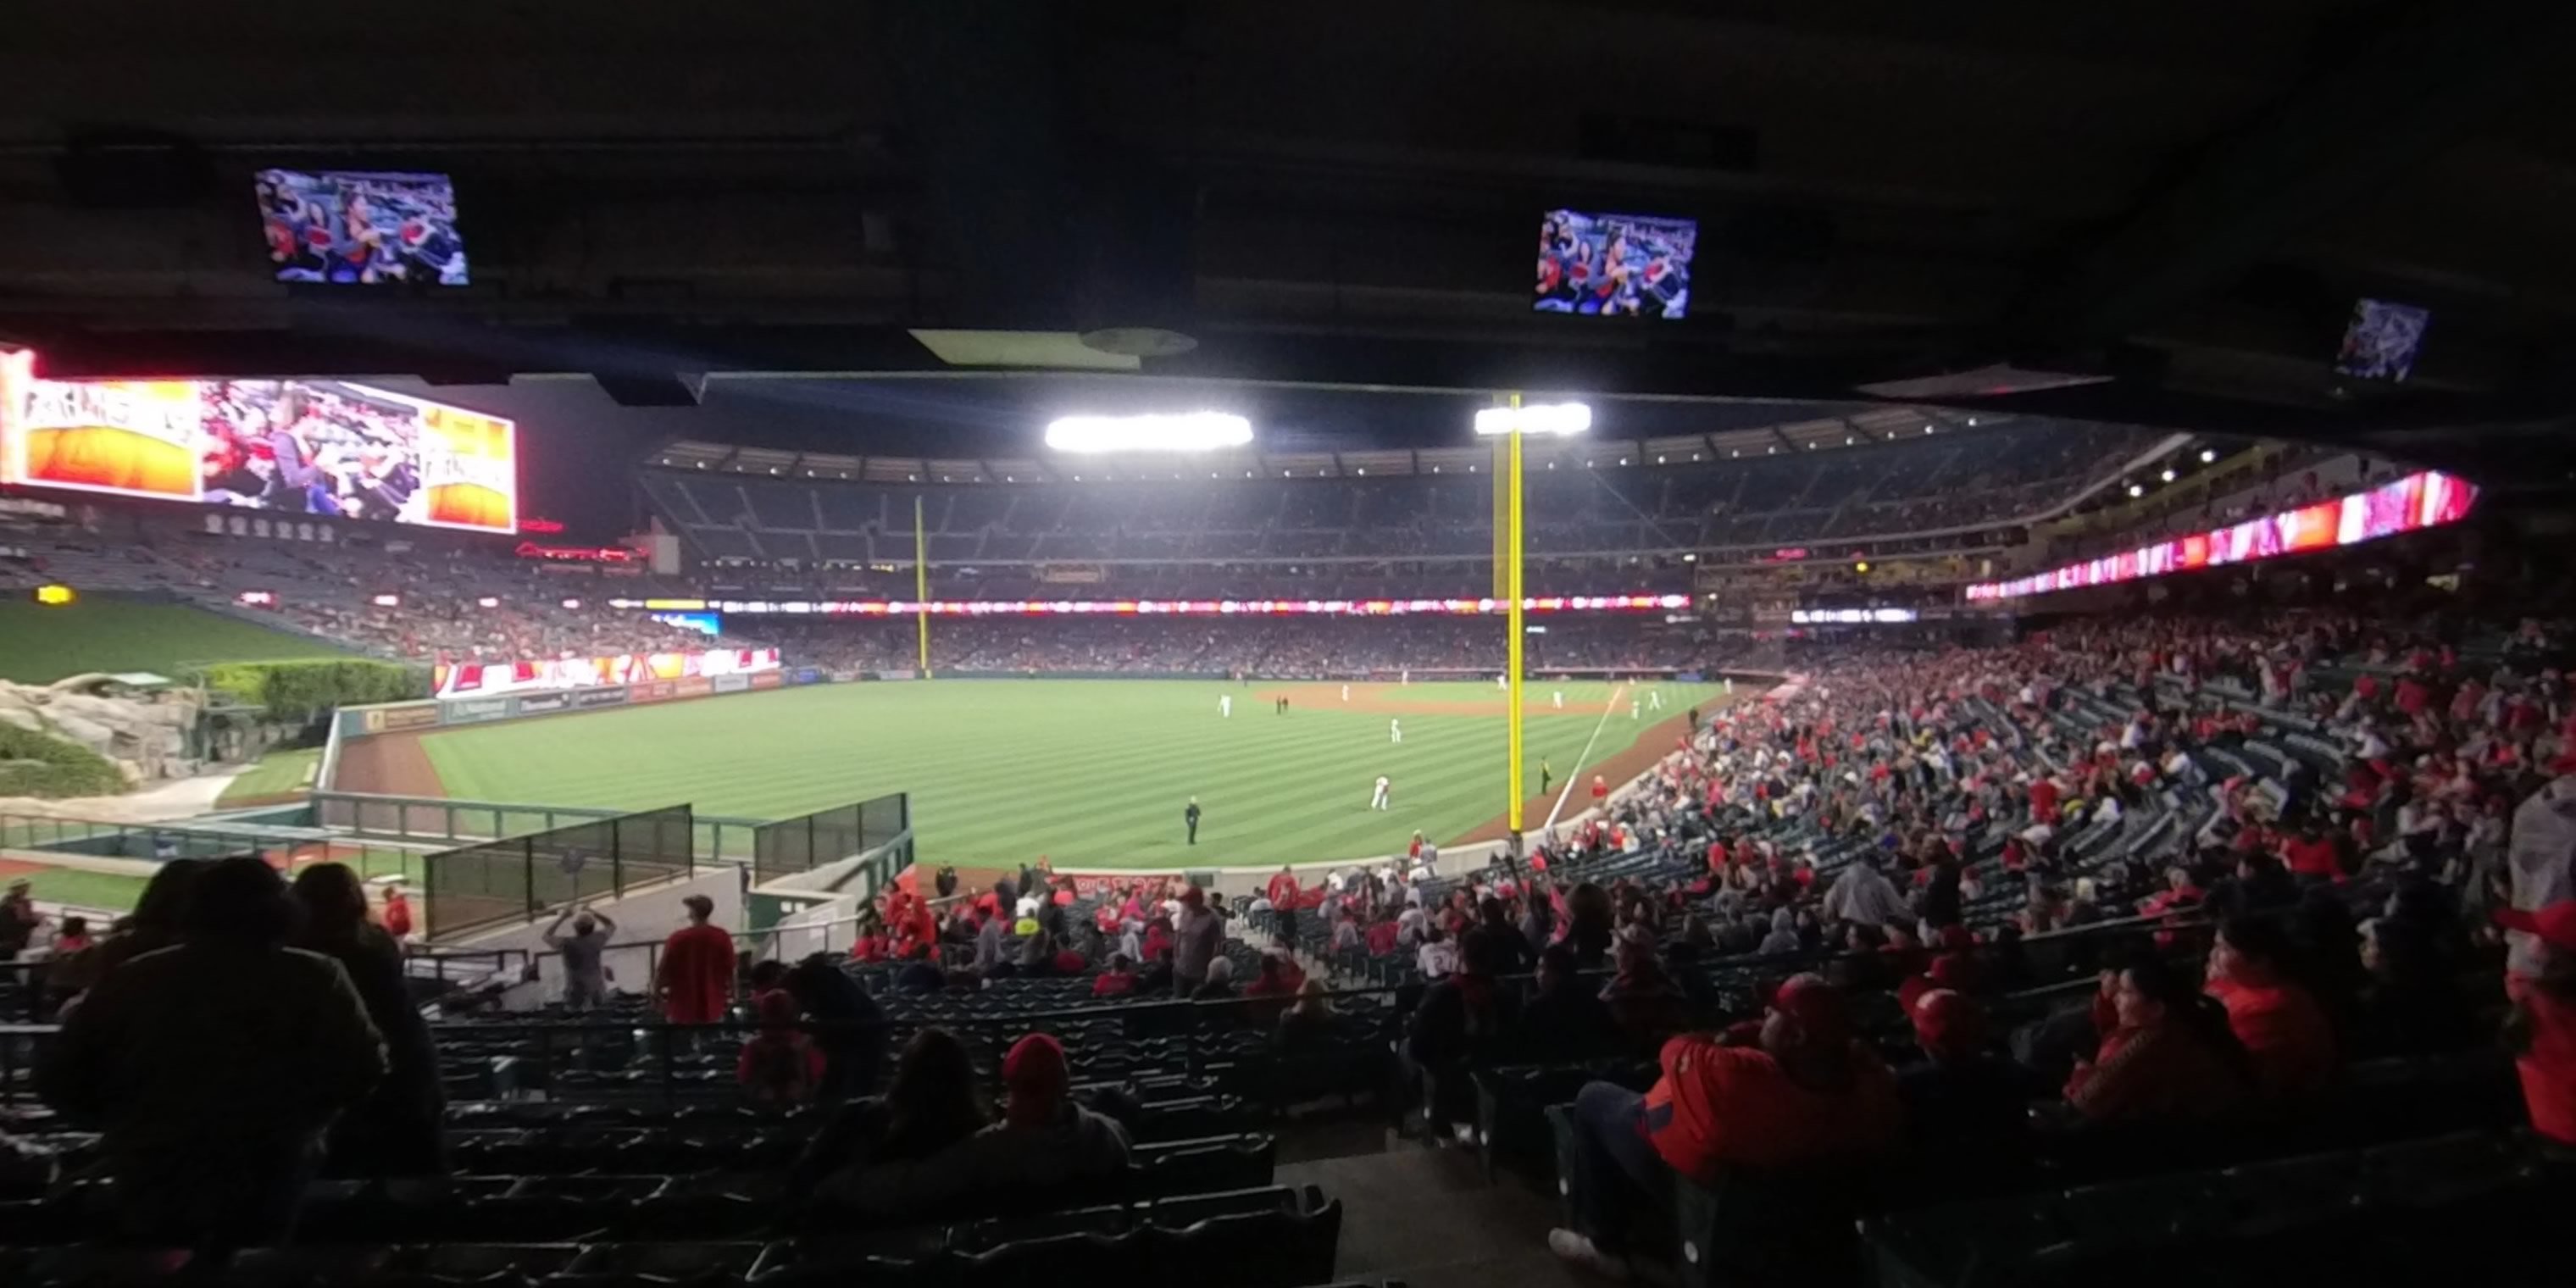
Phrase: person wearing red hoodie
(2285,1033)
(2542,1031)
(1118,980)
(779,1065)
(1807,1092)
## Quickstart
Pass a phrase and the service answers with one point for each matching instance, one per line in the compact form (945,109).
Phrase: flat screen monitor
(362,228)
(298,447)
(2381,341)
(1604,265)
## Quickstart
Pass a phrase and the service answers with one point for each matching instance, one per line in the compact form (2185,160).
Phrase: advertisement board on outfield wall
(584,699)
(408,715)
(766,680)
(697,686)
(477,710)
(655,691)
(534,704)
(732,683)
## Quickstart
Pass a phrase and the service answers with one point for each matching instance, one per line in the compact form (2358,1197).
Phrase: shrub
(40,764)
(297,691)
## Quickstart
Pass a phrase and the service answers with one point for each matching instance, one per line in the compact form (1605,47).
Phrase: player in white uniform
(1635,712)
(1377,799)
(1502,682)
(1654,699)
(1395,731)
(1225,706)
(1557,697)
(1346,693)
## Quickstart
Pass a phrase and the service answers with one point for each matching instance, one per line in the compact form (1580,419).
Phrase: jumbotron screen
(310,447)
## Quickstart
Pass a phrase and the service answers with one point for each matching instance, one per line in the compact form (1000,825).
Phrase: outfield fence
(436,818)
(517,879)
(284,847)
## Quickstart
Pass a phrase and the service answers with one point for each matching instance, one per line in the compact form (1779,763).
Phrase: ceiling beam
(2415,87)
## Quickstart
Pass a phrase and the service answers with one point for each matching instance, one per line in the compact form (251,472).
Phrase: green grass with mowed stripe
(1088,772)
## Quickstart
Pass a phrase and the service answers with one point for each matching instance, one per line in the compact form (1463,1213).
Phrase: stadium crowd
(1302,647)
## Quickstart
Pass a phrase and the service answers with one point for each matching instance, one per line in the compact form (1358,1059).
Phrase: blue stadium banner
(806,675)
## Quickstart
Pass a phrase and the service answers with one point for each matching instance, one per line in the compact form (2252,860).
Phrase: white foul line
(1579,759)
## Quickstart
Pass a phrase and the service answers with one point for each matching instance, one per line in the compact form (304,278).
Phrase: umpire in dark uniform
(1190,818)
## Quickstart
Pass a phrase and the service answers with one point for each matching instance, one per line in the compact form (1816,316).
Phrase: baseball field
(1088,772)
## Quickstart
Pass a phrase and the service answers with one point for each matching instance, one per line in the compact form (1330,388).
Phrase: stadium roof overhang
(1885,195)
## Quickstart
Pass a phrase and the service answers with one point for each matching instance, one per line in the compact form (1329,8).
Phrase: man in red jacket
(695,976)
(1806,1093)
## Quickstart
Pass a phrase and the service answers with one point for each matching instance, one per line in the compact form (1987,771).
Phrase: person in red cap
(2543,1028)
(1967,1109)
(1808,1092)
(779,1065)
(1044,1140)
(695,975)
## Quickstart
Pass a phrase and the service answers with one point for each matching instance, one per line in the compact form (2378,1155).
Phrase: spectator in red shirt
(1807,1093)
(779,1065)
(2542,1031)
(1282,890)
(695,977)
(1118,980)
(2312,853)
(397,912)
(1600,789)
(2284,1031)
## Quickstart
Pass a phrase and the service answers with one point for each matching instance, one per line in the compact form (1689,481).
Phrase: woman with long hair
(931,1105)
(2167,1051)
(398,1131)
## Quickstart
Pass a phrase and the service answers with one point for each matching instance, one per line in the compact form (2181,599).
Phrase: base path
(388,764)
(1653,744)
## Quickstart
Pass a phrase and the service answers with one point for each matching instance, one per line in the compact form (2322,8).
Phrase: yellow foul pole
(921,584)
(1512,610)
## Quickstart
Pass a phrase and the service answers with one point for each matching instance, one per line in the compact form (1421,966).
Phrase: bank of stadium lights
(2168,475)
(1535,418)
(2136,491)
(1199,431)
(572,603)
(2208,454)
(488,601)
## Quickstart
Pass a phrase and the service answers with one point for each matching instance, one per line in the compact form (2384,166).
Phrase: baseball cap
(1816,1005)
(1947,1023)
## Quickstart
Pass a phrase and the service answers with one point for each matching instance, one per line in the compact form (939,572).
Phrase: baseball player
(1395,731)
(1225,706)
(1377,799)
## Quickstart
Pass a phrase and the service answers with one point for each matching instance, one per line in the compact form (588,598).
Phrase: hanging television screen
(1602,265)
(2381,341)
(362,228)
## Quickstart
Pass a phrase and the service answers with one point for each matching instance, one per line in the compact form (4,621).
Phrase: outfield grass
(279,773)
(103,890)
(39,645)
(1088,772)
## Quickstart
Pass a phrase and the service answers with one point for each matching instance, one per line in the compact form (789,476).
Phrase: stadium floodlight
(1198,431)
(1535,418)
